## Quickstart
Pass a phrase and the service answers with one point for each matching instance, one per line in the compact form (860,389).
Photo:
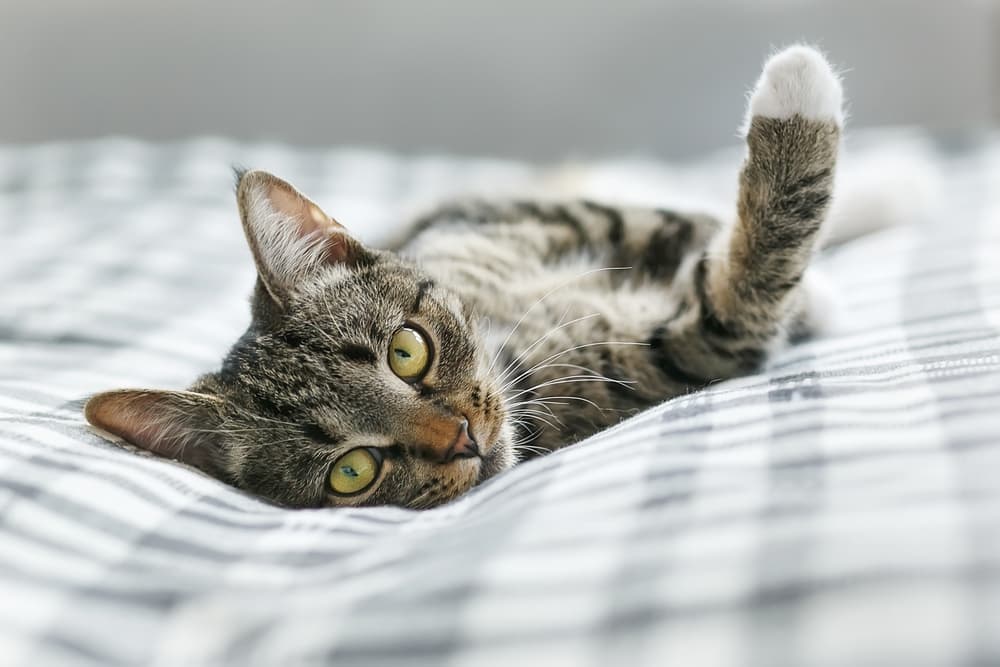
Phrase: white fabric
(841,508)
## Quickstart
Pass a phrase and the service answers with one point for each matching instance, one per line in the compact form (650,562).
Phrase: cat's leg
(745,292)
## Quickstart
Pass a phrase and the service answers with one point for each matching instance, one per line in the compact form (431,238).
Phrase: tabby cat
(498,330)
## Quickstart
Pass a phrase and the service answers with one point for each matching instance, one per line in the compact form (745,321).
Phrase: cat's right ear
(291,238)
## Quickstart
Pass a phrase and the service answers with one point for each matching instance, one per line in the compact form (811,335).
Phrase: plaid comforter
(840,508)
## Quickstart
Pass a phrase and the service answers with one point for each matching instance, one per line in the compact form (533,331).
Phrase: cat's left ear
(179,425)
(290,236)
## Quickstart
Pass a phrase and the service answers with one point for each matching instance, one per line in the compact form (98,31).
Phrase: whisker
(526,408)
(555,356)
(573,398)
(533,449)
(542,417)
(559,324)
(569,380)
(415,503)
(520,377)
(541,339)
(535,401)
(541,299)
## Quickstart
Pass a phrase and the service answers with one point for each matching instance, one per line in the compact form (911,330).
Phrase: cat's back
(527,248)
(502,255)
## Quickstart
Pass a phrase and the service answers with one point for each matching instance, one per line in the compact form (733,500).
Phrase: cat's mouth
(492,460)
(474,465)
(496,456)
(490,464)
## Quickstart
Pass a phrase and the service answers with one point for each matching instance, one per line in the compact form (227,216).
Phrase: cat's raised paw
(798,81)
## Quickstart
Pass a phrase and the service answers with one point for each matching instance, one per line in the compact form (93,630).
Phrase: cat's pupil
(349,471)
(402,354)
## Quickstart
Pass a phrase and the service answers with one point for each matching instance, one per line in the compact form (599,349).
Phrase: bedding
(842,507)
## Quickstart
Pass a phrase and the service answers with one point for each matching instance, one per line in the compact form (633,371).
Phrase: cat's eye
(355,471)
(409,354)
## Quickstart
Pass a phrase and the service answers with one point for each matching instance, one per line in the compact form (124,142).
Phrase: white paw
(798,82)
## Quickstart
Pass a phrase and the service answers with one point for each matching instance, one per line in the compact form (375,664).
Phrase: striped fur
(839,508)
(638,305)
(548,320)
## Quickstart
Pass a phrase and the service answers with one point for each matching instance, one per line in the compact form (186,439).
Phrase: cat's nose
(442,438)
(465,446)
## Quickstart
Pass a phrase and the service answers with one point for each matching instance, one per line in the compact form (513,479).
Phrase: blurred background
(539,80)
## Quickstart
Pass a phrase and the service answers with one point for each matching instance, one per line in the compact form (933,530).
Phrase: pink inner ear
(138,418)
(174,425)
(310,217)
(312,221)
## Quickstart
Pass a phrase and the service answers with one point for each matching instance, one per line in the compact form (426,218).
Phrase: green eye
(409,354)
(355,471)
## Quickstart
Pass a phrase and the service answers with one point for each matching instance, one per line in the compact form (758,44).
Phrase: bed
(842,507)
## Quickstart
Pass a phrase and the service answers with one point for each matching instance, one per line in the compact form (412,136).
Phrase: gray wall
(541,80)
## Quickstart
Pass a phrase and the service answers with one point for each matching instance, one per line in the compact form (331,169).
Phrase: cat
(497,330)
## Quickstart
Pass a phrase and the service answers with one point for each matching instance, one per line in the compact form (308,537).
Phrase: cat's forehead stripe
(422,288)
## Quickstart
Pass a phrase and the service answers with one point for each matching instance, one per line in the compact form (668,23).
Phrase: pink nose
(464,446)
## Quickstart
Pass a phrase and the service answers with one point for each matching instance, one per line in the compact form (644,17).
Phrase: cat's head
(361,381)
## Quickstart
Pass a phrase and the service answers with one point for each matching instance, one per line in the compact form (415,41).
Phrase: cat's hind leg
(745,291)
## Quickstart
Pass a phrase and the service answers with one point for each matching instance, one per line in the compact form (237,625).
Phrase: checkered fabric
(840,508)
